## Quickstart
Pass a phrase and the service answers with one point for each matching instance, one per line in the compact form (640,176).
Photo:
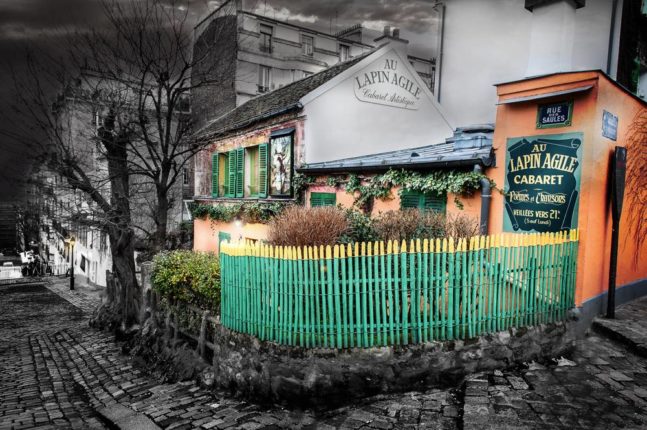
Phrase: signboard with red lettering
(542,183)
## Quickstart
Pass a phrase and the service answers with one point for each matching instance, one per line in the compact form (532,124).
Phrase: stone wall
(322,378)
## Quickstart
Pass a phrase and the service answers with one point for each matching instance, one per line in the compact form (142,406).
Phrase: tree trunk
(119,229)
(161,221)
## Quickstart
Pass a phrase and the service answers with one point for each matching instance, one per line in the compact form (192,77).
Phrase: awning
(545,95)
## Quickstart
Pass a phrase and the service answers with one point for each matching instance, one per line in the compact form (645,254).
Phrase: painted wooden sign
(555,114)
(387,81)
(542,183)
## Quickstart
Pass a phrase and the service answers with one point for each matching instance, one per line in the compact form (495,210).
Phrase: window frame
(264,78)
(304,45)
(324,199)
(230,172)
(342,47)
(425,200)
(266,32)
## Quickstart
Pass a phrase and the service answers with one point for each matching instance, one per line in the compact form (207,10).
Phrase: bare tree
(118,128)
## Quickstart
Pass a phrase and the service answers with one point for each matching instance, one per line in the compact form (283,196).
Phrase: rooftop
(276,102)
(468,146)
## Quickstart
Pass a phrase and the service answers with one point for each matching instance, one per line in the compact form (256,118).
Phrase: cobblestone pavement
(59,373)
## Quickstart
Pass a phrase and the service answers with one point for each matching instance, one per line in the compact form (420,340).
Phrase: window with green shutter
(215,158)
(422,201)
(240,172)
(262,170)
(323,199)
(230,175)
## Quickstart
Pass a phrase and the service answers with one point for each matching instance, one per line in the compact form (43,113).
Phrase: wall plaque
(555,114)
(542,183)
(609,125)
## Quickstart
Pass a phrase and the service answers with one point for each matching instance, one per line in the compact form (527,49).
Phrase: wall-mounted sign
(387,82)
(281,165)
(609,125)
(542,183)
(555,114)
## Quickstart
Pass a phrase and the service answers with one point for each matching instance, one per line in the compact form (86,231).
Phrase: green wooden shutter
(262,170)
(410,199)
(214,175)
(434,203)
(240,172)
(323,199)
(414,199)
(230,181)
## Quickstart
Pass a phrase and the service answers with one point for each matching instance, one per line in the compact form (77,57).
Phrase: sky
(42,22)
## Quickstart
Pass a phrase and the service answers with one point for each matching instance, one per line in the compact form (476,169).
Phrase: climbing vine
(439,182)
(250,212)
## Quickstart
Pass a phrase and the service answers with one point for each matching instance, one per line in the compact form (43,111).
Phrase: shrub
(360,228)
(410,224)
(461,226)
(300,226)
(188,277)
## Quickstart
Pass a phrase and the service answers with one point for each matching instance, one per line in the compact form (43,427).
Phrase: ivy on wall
(365,190)
(249,212)
(439,182)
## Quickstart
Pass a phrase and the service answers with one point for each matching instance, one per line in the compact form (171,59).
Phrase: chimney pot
(387,30)
(396,33)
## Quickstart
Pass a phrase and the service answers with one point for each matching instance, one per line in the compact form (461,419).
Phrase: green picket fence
(380,294)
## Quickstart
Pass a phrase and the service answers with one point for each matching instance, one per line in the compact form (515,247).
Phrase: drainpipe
(612,31)
(439,53)
(486,198)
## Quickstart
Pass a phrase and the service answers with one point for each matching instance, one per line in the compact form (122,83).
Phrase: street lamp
(71,241)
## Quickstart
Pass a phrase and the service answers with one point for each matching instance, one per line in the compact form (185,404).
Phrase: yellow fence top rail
(390,247)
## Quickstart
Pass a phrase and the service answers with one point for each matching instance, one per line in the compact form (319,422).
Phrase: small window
(307,42)
(306,74)
(266,38)
(323,199)
(344,52)
(422,201)
(185,176)
(264,79)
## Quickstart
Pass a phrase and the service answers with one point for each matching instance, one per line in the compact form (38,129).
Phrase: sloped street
(59,373)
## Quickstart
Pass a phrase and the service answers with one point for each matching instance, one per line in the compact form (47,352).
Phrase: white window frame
(264,78)
(307,49)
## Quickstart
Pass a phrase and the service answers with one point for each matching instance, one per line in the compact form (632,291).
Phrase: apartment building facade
(247,54)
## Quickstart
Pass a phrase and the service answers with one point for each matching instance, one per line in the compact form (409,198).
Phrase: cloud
(284,14)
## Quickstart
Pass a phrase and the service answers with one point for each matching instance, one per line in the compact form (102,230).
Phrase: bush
(300,226)
(410,224)
(360,228)
(188,277)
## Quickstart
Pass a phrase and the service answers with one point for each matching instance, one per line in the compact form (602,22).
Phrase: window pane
(252,171)
(281,166)
(308,45)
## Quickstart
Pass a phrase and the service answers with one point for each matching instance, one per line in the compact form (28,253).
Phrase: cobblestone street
(59,373)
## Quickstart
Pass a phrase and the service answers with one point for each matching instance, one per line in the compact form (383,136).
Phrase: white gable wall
(340,125)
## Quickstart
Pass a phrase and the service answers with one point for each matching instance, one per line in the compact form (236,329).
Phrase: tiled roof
(464,148)
(276,102)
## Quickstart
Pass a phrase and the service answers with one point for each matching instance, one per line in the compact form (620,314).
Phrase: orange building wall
(594,218)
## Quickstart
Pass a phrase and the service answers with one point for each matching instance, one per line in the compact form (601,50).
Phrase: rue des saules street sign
(542,183)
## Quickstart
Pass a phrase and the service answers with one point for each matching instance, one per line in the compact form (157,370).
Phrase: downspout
(439,57)
(486,198)
(612,31)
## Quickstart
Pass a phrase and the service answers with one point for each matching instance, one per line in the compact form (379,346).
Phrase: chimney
(392,38)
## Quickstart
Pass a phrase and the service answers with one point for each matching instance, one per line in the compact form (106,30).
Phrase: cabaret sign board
(542,183)
(387,82)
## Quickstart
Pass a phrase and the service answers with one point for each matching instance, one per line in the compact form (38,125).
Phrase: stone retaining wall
(322,378)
